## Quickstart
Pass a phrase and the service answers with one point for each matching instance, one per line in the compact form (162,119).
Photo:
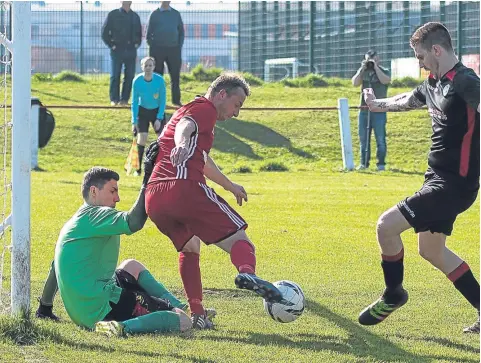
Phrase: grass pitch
(313,224)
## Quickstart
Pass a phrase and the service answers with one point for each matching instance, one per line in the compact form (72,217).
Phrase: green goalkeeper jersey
(86,256)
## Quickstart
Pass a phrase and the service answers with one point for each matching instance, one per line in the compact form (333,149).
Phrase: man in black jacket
(165,37)
(122,33)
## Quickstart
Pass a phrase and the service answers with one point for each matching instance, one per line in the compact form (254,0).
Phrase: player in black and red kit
(185,209)
(451,94)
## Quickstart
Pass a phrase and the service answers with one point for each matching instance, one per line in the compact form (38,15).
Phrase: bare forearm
(357,78)
(403,102)
(212,172)
(383,77)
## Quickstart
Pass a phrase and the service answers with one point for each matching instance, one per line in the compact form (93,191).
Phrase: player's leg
(379,126)
(432,247)
(159,321)
(133,272)
(50,288)
(243,257)
(189,268)
(389,228)
(142,136)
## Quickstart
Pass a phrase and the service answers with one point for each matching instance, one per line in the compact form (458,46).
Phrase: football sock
(393,268)
(243,257)
(466,283)
(189,268)
(140,150)
(159,321)
(155,288)
(50,288)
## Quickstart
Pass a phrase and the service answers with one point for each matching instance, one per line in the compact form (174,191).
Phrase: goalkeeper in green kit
(98,295)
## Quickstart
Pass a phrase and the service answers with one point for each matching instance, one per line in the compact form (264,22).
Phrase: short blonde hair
(145,59)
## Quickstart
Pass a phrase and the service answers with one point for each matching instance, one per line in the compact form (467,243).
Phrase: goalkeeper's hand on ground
(149,160)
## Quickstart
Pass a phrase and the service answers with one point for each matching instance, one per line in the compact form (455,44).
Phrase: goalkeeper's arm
(137,215)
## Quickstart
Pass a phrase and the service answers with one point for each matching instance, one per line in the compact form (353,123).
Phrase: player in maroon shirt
(185,209)
(451,183)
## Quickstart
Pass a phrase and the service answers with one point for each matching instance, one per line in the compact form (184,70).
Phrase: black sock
(469,288)
(393,277)
(140,150)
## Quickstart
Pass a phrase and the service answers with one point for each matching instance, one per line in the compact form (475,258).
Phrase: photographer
(372,75)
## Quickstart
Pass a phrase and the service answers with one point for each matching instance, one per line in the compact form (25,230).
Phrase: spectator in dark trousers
(165,36)
(122,33)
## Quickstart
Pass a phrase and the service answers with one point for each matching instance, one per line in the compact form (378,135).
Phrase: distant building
(68,36)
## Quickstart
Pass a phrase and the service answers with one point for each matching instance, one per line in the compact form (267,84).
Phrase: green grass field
(314,225)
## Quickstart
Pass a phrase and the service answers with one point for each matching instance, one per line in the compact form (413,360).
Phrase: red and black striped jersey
(204,115)
(452,103)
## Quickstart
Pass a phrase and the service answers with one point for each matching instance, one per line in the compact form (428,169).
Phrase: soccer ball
(292,305)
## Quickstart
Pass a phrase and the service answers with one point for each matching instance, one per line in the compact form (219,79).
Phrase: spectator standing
(122,33)
(165,37)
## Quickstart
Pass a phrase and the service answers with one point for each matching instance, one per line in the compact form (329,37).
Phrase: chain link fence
(67,36)
(324,37)
(331,37)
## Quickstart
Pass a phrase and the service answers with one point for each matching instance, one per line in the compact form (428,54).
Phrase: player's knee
(132,266)
(184,321)
(382,226)
(142,138)
(426,253)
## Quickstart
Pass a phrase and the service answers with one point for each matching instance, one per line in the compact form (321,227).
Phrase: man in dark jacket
(122,33)
(165,37)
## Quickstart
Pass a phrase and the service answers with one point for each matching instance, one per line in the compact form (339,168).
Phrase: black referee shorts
(147,117)
(437,204)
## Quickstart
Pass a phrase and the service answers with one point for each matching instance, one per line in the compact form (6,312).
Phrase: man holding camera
(372,75)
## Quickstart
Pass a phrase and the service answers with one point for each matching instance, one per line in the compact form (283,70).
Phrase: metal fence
(331,37)
(327,37)
(67,36)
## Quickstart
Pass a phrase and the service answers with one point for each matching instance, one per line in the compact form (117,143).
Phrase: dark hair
(430,34)
(229,82)
(371,53)
(97,176)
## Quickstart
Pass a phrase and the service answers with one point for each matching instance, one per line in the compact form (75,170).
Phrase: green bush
(68,76)
(274,167)
(308,81)
(42,77)
(242,170)
(405,82)
(252,80)
(205,74)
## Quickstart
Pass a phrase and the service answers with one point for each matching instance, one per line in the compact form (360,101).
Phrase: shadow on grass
(54,95)
(360,342)
(228,143)
(254,132)
(27,332)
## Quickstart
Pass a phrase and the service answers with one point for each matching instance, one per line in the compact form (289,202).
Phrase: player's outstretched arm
(212,172)
(403,102)
(137,215)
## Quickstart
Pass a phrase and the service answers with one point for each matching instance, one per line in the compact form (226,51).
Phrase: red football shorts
(182,209)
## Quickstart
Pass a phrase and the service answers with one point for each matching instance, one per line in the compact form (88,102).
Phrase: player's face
(148,66)
(426,59)
(231,104)
(108,196)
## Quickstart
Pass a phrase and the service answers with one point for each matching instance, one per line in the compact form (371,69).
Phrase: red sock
(189,269)
(243,257)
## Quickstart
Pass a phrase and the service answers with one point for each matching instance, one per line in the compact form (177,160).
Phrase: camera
(369,57)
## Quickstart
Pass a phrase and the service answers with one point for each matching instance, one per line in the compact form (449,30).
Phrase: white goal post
(19,47)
